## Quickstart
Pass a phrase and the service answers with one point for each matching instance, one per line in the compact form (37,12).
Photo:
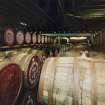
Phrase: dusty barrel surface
(72,81)
(10,83)
(30,65)
(28,37)
(34,38)
(20,37)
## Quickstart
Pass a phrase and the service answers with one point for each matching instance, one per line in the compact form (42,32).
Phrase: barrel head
(20,37)
(33,72)
(10,84)
(9,37)
(34,38)
(28,38)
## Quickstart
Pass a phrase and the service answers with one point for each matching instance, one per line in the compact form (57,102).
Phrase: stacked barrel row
(98,39)
(9,36)
(19,75)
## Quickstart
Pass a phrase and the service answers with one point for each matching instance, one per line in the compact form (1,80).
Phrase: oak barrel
(7,36)
(28,38)
(34,38)
(42,41)
(10,82)
(19,37)
(46,39)
(39,38)
(30,65)
(72,81)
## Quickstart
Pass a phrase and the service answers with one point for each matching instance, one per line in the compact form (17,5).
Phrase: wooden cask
(11,78)
(7,36)
(28,38)
(39,38)
(46,39)
(34,38)
(43,39)
(72,81)
(20,37)
(30,65)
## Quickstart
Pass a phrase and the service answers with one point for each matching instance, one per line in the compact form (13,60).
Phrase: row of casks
(19,73)
(98,39)
(9,37)
(72,81)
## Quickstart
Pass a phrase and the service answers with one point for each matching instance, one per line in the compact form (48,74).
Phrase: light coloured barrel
(9,36)
(20,37)
(46,40)
(34,38)
(72,81)
(39,38)
(11,79)
(42,39)
(28,38)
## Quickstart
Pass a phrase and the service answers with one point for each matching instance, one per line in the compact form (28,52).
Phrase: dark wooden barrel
(7,36)
(34,38)
(30,65)
(19,37)
(72,81)
(10,83)
(28,38)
